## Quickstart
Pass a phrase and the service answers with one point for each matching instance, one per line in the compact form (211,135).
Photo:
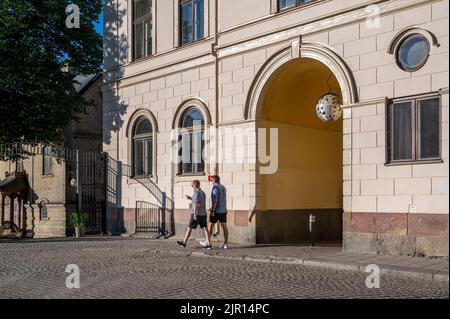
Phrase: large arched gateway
(309,179)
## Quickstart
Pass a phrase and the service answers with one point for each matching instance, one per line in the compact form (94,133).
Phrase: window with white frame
(143,148)
(414,129)
(192,126)
(192,21)
(142,28)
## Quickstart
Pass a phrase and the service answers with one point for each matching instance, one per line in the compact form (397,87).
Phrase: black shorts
(218,217)
(201,221)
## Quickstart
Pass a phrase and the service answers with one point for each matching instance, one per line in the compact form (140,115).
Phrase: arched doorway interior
(309,179)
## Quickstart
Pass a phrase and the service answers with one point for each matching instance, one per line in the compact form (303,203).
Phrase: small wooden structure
(15,187)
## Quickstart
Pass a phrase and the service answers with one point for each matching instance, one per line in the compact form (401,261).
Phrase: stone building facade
(50,198)
(376,179)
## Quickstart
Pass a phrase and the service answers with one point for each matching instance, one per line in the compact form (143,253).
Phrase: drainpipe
(214,51)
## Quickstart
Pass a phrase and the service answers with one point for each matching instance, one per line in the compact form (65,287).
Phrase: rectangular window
(43,212)
(192,21)
(192,162)
(413,129)
(288,4)
(142,28)
(143,161)
(47,161)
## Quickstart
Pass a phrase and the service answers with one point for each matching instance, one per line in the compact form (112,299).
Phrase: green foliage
(78,219)
(37,96)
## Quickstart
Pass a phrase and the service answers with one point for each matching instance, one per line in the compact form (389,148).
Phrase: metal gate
(149,219)
(92,178)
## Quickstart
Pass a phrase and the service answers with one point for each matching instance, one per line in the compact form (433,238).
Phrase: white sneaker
(224,246)
(203,243)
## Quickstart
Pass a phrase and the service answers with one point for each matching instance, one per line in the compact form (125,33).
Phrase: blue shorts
(201,221)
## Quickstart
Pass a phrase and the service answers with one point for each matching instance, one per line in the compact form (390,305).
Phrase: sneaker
(207,247)
(224,246)
(181,243)
(203,243)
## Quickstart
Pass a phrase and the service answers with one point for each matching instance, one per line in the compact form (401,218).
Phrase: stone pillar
(19,213)
(24,217)
(11,209)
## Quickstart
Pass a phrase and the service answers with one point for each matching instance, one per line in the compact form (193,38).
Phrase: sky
(99,25)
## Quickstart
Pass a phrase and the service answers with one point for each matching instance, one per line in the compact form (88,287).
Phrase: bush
(78,219)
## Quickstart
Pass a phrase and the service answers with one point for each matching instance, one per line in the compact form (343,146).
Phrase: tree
(37,94)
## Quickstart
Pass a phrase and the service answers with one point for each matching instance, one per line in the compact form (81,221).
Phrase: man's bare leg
(188,234)
(225,232)
(207,236)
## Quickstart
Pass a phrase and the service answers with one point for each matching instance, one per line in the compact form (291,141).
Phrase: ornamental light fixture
(329,106)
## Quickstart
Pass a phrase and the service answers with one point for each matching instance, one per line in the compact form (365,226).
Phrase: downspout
(215,53)
(117,80)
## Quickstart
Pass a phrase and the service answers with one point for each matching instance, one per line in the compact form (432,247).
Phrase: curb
(384,270)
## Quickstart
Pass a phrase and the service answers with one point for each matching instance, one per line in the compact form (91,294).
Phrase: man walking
(218,211)
(198,215)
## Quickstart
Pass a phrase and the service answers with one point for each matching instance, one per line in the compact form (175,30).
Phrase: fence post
(164,208)
(104,190)
(77,168)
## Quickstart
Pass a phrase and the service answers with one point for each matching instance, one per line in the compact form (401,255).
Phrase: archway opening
(309,179)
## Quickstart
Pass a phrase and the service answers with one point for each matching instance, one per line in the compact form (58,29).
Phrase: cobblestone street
(130,268)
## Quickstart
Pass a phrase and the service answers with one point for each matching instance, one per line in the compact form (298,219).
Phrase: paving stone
(141,268)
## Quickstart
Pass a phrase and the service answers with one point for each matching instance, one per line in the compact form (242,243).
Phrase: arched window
(192,132)
(143,148)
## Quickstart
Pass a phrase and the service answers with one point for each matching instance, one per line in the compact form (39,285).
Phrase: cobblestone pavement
(129,268)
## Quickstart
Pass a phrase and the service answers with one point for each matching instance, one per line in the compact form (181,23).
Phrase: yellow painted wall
(310,170)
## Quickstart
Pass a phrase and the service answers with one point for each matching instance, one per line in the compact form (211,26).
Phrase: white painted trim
(176,23)
(314,26)
(163,71)
(402,35)
(193,102)
(381,100)
(297,49)
(273,6)
(143,112)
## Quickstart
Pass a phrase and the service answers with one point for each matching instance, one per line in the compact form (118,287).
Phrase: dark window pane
(429,137)
(44,212)
(138,41)
(148,38)
(138,156)
(186,23)
(402,131)
(142,8)
(143,127)
(286,4)
(199,20)
(148,158)
(413,52)
(193,118)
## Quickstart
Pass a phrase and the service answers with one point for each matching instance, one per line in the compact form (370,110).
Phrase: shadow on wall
(115,49)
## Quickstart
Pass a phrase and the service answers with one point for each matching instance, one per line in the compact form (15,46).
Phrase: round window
(413,52)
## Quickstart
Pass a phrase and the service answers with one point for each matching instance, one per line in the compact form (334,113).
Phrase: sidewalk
(331,257)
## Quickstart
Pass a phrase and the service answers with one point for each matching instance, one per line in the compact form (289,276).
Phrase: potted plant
(78,221)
